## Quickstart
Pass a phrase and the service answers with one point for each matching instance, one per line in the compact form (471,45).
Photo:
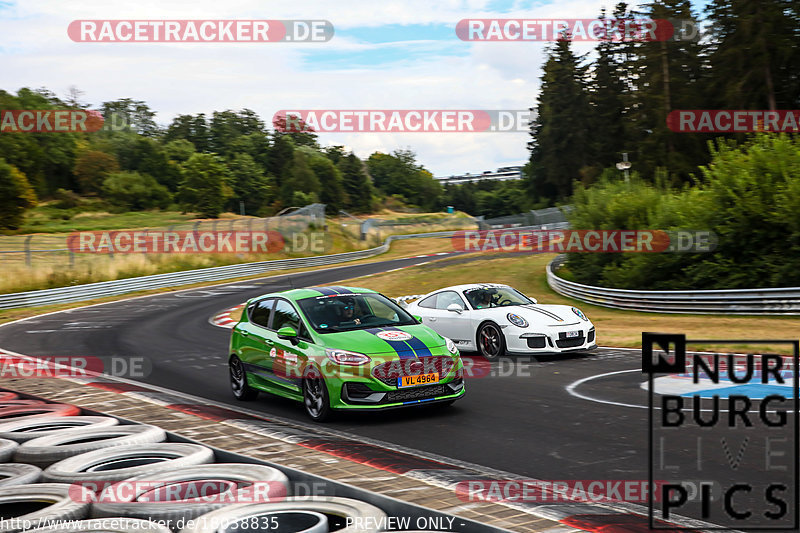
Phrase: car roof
(467,286)
(313,292)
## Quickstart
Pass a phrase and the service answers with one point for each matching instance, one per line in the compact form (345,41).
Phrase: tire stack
(61,472)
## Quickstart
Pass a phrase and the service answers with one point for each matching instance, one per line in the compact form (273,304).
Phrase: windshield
(330,314)
(485,297)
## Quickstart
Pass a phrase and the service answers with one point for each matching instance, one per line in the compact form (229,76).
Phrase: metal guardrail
(780,301)
(80,293)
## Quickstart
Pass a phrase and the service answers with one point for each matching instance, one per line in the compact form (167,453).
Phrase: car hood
(405,341)
(539,314)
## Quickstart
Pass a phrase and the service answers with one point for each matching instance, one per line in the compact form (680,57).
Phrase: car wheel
(491,342)
(315,395)
(241,390)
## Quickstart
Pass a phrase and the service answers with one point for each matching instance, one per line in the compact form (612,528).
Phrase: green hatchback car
(341,348)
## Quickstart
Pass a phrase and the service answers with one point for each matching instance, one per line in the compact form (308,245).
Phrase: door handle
(244,333)
(269,342)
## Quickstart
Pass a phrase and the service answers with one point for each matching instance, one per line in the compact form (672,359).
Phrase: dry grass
(614,327)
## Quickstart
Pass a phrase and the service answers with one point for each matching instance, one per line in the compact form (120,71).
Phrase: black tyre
(241,390)
(315,395)
(491,342)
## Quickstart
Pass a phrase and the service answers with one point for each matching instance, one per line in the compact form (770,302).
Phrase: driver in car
(347,313)
(483,299)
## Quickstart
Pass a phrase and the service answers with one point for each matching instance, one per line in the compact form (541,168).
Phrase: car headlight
(451,346)
(343,357)
(580,314)
(517,320)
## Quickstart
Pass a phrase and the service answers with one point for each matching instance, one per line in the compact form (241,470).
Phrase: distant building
(501,174)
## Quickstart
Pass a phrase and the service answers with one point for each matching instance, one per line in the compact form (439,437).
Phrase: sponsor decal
(394,335)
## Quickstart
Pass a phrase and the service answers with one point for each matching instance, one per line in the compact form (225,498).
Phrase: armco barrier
(80,293)
(780,301)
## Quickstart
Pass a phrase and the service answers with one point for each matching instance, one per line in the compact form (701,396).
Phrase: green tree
(227,126)
(130,115)
(16,196)
(134,191)
(280,158)
(560,132)
(301,179)
(399,174)
(92,168)
(357,185)
(670,75)
(250,185)
(179,150)
(205,187)
(754,54)
(330,179)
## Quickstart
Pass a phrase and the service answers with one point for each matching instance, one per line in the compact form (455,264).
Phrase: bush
(749,197)
(16,195)
(134,191)
(205,188)
(66,199)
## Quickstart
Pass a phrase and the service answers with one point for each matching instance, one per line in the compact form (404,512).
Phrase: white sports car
(494,319)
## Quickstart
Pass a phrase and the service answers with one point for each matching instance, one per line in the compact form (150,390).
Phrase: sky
(385,54)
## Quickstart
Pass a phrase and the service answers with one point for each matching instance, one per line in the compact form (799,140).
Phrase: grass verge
(614,327)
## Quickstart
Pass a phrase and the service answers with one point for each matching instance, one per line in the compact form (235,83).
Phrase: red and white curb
(223,319)
(432,469)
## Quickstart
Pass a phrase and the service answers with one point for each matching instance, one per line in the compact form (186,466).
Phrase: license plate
(573,334)
(422,379)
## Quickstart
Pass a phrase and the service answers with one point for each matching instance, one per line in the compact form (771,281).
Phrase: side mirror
(288,333)
(417,318)
(455,308)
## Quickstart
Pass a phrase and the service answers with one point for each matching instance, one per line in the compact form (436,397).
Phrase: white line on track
(571,390)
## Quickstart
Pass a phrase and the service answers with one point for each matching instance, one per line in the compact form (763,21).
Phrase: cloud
(415,65)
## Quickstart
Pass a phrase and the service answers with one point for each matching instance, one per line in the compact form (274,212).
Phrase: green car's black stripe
(412,347)
(325,291)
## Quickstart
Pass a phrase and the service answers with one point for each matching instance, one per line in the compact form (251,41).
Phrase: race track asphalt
(521,418)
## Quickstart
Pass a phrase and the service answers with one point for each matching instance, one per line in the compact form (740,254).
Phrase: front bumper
(378,390)
(360,396)
(554,341)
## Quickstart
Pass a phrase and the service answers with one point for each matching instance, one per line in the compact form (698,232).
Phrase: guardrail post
(28,258)
(71,259)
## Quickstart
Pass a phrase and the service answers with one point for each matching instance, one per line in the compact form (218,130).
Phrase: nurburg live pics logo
(731,419)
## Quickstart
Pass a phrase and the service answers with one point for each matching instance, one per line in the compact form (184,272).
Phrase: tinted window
(483,297)
(259,312)
(429,302)
(346,312)
(447,298)
(285,315)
